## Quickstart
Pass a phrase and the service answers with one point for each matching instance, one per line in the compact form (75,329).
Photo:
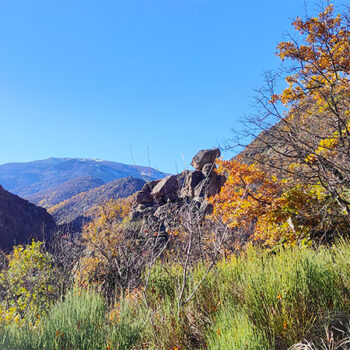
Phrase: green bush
(29,284)
(79,322)
(256,300)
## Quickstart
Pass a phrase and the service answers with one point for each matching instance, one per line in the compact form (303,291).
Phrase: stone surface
(204,157)
(149,186)
(210,186)
(167,185)
(208,169)
(182,177)
(192,179)
(142,197)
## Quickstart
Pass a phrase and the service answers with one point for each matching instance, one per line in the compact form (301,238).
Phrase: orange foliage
(325,55)
(102,238)
(247,194)
(270,210)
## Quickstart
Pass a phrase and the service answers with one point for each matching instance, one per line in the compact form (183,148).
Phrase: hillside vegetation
(255,301)
(81,204)
(247,254)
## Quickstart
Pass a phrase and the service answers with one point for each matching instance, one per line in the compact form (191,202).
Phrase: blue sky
(114,79)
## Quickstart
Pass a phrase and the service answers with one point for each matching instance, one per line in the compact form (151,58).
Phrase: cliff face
(21,221)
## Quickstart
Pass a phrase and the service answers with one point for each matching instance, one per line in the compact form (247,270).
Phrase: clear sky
(98,79)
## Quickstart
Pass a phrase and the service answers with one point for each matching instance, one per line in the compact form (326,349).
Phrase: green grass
(259,300)
(234,330)
(78,322)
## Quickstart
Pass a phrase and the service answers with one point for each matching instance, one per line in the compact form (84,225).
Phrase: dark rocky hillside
(76,208)
(21,221)
(27,179)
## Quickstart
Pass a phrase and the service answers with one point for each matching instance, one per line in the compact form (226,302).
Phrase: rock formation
(161,203)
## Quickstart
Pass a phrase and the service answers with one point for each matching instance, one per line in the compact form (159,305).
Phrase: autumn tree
(117,250)
(302,133)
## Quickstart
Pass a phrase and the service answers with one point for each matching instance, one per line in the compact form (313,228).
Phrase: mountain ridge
(28,178)
(78,206)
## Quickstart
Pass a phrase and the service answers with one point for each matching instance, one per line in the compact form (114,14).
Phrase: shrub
(28,284)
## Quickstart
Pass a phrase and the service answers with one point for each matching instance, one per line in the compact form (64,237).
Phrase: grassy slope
(259,300)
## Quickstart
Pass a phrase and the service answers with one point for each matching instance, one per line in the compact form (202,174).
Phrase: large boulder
(142,197)
(208,169)
(149,186)
(204,157)
(210,186)
(167,185)
(192,179)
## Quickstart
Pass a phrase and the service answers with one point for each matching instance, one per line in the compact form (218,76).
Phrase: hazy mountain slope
(26,179)
(20,221)
(56,194)
(77,206)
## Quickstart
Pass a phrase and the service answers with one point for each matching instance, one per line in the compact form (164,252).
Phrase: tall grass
(234,330)
(78,322)
(258,300)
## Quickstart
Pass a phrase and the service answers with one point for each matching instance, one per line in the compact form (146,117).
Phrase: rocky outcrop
(165,186)
(192,179)
(206,156)
(160,204)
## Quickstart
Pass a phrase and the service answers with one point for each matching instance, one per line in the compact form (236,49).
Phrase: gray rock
(209,186)
(204,157)
(149,186)
(167,211)
(170,197)
(193,178)
(205,208)
(142,197)
(182,177)
(208,168)
(135,215)
(143,207)
(167,185)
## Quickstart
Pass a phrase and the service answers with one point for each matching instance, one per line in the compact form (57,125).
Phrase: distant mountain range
(67,187)
(64,177)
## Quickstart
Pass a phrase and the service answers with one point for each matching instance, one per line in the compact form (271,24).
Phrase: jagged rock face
(160,204)
(192,179)
(21,221)
(205,156)
(210,186)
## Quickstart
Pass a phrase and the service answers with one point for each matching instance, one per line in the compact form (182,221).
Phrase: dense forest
(248,253)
